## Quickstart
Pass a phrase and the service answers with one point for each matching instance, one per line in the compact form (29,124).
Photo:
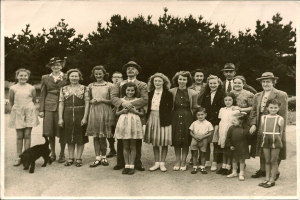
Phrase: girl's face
(182,81)
(130,92)
(238,84)
(158,82)
(199,77)
(273,109)
(267,84)
(56,67)
(74,77)
(228,101)
(22,77)
(99,75)
(213,84)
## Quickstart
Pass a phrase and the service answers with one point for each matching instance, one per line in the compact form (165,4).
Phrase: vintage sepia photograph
(149,99)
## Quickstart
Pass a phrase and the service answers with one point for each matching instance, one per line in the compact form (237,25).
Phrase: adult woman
(268,81)
(198,85)
(158,128)
(50,86)
(73,113)
(184,104)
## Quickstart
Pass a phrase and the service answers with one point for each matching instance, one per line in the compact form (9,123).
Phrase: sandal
(78,162)
(95,163)
(104,162)
(263,183)
(269,184)
(61,159)
(69,162)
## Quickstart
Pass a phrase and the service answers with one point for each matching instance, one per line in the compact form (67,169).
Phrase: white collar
(132,80)
(60,74)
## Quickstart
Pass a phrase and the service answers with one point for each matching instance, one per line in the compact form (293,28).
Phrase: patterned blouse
(80,92)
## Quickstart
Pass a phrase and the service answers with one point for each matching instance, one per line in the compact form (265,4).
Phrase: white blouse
(156,100)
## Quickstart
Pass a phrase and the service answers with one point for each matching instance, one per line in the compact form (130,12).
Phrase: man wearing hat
(132,69)
(50,88)
(268,81)
(229,72)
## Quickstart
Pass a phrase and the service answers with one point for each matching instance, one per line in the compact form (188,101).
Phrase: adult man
(229,72)
(132,70)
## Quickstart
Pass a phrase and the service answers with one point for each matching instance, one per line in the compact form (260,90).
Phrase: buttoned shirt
(156,99)
(227,83)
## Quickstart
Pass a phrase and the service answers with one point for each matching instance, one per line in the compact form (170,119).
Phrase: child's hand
(61,123)
(232,148)
(41,114)
(252,129)
(133,110)
(127,105)
(93,101)
(83,121)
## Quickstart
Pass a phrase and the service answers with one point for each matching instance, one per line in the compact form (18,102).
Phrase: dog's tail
(46,140)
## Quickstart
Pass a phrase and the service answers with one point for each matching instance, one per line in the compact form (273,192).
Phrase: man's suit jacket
(246,87)
(283,111)
(50,92)
(142,94)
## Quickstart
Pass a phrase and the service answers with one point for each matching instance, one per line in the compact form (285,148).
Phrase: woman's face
(199,77)
(74,77)
(267,84)
(130,92)
(56,67)
(182,81)
(238,84)
(22,77)
(158,82)
(99,75)
(213,84)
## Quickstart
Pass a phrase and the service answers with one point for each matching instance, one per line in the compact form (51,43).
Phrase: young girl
(237,141)
(24,115)
(101,117)
(272,128)
(226,115)
(129,127)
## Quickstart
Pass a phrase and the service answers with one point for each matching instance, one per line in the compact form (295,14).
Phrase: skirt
(155,134)
(50,124)
(129,126)
(25,116)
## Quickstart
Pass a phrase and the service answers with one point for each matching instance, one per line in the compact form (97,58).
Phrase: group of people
(214,119)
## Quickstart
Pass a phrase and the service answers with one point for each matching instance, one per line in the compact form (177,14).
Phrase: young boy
(200,130)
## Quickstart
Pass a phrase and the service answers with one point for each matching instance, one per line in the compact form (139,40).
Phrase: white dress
(226,115)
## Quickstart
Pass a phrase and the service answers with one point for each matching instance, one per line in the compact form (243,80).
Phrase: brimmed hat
(57,60)
(267,75)
(132,64)
(229,67)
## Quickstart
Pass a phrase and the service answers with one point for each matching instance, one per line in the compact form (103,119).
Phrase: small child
(237,141)
(200,130)
(129,127)
(24,115)
(226,115)
(272,128)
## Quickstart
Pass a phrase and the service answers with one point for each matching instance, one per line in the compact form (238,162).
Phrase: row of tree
(168,46)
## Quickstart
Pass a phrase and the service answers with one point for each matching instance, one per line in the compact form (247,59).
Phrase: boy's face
(117,77)
(201,116)
(273,109)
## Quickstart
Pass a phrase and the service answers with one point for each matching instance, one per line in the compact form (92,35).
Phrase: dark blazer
(213,109)
(50,92)
(165,107)
(246,87)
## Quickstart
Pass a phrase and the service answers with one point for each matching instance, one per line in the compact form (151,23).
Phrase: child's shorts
(202,145)
(272,141)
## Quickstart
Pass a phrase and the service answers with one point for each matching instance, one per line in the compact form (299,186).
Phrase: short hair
(116,72)
(102,68)
(197,70)
(74,70)
(166,84)
(22,70)
(126,85)
(274,102)
(242,78)
(210,77)
(200,109)
(232,95)
(186,74)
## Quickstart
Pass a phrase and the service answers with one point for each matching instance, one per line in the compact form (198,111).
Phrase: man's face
(229,74)
(132,71)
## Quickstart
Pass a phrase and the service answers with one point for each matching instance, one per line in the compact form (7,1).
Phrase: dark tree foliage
(168,46)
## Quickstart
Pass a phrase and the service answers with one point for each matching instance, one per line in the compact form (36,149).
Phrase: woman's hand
(41,114)
(83,121)
(60,122)
(232,148)
(252,129)
(127,105)
(93,101)
(124,111)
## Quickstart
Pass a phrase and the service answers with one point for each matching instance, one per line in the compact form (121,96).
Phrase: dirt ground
(57,180)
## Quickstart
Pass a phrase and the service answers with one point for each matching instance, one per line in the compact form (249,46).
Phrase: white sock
(127,166)
(98,157)
(228,167)
(131,167)
(224,165)
(202,167)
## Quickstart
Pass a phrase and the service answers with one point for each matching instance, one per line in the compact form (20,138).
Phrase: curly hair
(166,84)
(274,102)
(22,70)
(232,95)
(126,85)
(242,78)
(102,68)
(186,74)
(210,77)
(198,70)
(74,70)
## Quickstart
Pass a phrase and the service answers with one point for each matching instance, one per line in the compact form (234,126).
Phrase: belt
(271,133)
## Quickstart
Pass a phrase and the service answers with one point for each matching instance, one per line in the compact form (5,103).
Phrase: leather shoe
(277,176)
(259,174)
(269,184)
(140,168)
(111,154)
(118,167)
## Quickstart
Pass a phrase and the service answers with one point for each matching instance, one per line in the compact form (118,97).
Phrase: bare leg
(62,148)
(27,138)
(103,146)
(80,148)
(185,152)
(71,150)
(132,151)
(156,153)
(203,158)
(274,163)
(242,166)
(195,157)
(234,166)
(267,154)
(126,151)
(178,156)
(97,146)
(20,136)
(164,152)
(52,145)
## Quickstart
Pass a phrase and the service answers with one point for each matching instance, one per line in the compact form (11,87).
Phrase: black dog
(29,156)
